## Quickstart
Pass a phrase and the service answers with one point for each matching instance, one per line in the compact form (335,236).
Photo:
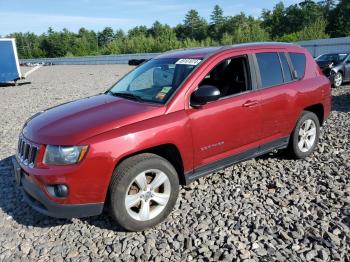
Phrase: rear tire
(305,136)
(143,191)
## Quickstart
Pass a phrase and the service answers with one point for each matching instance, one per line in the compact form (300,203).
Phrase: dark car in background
(136,62)
(336,67)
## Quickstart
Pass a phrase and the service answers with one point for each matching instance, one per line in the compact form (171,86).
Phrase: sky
(38,15)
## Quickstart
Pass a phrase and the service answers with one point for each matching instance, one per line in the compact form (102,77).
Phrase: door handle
(250,103)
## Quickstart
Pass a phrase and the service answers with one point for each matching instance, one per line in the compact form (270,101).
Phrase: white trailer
(9,65)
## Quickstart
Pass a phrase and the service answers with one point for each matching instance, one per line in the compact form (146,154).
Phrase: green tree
(339,20)
(84,43)
(195,27)
(327,6)
(158,29)
(217,22)
(180,32)
(105,37)
(138,31)
(309,13)
(242,28)
(315,30)
(217,16)
(55,44)
(119,34)
(281,21)
(28,45)
(274,21)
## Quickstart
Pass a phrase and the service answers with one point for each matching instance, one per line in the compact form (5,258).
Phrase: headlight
(64,155)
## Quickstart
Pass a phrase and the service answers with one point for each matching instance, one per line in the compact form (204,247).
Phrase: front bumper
(38,200)
(328,72)
(331,77)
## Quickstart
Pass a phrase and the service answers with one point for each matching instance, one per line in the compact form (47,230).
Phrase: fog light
(59,191)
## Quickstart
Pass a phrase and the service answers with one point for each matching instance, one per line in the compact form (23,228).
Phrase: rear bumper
(38,200)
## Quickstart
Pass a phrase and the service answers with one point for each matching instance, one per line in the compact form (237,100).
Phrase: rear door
(275,90)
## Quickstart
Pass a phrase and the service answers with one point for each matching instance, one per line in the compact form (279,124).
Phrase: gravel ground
(267,209)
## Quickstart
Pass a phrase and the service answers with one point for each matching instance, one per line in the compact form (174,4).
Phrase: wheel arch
(318,110)
(169,152)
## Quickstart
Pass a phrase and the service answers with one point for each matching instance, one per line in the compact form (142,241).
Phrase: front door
(232,124)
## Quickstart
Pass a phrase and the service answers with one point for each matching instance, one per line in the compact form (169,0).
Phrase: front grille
(27,152)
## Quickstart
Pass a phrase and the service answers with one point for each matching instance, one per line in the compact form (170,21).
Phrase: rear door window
(299,62)
(270,69)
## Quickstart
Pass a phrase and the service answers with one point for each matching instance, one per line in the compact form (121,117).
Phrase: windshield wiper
(127,96)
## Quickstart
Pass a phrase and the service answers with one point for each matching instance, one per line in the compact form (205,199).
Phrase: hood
(76,121)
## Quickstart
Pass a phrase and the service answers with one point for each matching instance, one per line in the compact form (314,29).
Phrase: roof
(203,52)
(199,52)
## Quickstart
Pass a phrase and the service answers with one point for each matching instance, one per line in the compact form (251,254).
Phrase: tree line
(304,21)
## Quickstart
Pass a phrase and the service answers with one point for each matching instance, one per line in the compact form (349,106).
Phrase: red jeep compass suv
(175,118)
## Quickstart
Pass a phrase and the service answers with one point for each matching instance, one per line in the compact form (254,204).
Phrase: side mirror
(204,94)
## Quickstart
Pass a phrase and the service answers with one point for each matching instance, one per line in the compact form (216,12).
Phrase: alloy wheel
(147,195)
(307,135)
(338,79)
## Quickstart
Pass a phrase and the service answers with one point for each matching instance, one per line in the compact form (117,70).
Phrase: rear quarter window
(299,63)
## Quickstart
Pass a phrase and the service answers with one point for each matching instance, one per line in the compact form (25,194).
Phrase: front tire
(305,136)
(338,80)
(143,191)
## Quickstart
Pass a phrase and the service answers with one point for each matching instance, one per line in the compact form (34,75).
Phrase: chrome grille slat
(22,148)
(33,154)
(27,152)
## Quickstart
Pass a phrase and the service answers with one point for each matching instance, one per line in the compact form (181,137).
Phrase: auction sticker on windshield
(188,61)
(161,95)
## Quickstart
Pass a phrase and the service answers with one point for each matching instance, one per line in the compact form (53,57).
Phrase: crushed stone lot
(266,209)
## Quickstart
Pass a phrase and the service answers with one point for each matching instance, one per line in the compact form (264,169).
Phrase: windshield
(155,80)
(332,58)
